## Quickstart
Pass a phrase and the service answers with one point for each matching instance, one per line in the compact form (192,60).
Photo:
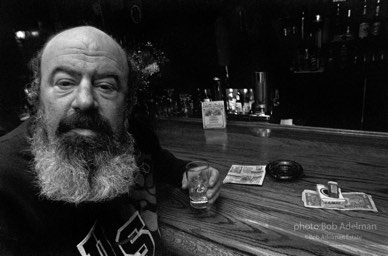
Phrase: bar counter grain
(271,219)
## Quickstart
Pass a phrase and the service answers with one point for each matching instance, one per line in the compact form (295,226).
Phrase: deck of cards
(331,197)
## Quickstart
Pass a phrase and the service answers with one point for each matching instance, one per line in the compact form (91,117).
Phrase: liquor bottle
(275,109)
(348,32)
(363,28)
(223,85)
(311,62)
(318,33)
(239,102)
(302,27)
(376,24)
(293,44)
(343,55)
(346,44)
(290,42)
(337,24)
(301,57)
(325,24)
(217,89)
(315,43)
(207,96)
(251,97)
(169,103)
(175,102)
(276,98)
(197,98)
(246,106)
(306,64)
(186,107)
(231,102)
(333,36)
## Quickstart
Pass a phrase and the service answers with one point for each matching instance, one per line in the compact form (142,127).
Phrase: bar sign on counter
(213,114)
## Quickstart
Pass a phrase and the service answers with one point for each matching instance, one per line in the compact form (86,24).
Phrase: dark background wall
(199,37)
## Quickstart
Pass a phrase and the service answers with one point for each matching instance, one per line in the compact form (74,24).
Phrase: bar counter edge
(267,125)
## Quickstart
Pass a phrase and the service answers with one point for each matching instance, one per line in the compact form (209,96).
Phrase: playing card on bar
(311,199)
(246,174)
(355,201)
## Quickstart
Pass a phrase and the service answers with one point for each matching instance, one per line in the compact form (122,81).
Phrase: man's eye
(106,87)
(64,83)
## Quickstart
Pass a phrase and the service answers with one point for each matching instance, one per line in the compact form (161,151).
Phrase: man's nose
(84,98)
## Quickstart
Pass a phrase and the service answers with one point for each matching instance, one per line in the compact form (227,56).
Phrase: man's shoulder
(15,155)
(15,140)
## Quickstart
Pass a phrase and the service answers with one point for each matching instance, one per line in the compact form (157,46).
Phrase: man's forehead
(87,39)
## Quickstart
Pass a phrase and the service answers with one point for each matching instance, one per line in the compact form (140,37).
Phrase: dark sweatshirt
(33,225)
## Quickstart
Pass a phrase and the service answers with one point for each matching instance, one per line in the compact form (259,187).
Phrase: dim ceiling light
(20,34)
(35,33)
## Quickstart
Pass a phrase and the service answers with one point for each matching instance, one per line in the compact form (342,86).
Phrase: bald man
(78,178)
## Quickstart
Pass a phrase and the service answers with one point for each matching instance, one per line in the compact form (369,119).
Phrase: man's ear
(32,94)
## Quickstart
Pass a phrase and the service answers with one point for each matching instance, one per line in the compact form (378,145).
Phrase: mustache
(90,120)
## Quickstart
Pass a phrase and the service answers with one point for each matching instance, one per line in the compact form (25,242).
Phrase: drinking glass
(198,174)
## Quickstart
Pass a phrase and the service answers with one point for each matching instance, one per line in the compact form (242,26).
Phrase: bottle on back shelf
(318,33)
(197,98)
(376,23)
(318,36)
(313,59)
(251,97)
(337,28)
(207,96)
(217,89)
(363,28)
(348,30)
(302,27)
(275,108)
(345,47)
(246,106)
(231,102)
(239,102)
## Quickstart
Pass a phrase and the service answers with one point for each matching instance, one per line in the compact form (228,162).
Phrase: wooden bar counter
(271,219)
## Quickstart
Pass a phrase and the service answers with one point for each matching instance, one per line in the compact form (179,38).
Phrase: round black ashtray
(284,170)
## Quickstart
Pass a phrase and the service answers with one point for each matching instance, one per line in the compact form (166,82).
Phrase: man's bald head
(90,38)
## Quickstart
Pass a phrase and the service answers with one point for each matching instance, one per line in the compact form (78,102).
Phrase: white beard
(86,175)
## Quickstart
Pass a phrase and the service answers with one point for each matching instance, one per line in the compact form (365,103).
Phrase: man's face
(83,74)
(81,149)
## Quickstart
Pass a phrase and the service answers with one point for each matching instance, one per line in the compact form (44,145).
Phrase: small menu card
(213,114)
